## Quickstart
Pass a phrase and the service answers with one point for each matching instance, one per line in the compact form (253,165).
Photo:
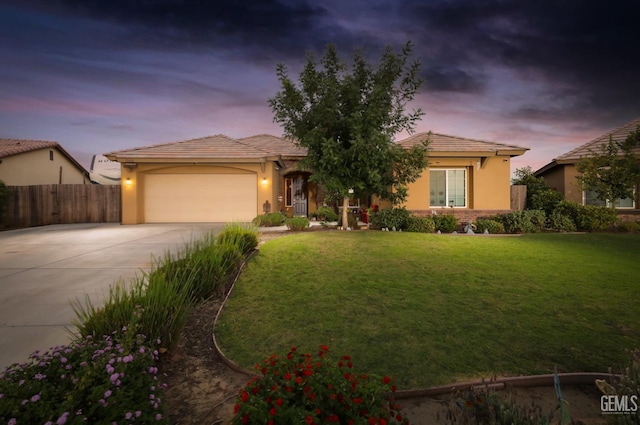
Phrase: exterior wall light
(264,181)
(128,181)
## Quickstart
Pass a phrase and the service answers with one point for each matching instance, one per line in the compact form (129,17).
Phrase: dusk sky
(104,75)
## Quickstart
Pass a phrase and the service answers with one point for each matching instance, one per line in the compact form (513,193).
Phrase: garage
(194,198)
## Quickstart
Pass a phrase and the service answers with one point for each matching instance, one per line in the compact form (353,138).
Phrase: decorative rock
(486,231)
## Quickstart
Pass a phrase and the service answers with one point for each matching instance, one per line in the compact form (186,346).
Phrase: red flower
(308,419)
(386,379)
(270,422)
(372,421)
(244,396)
(357,400)
(245,418)
(279,402)
(287,376)
(236,408)
(307,372)
(312,397)
(298,380)
(272,411)
(383,421)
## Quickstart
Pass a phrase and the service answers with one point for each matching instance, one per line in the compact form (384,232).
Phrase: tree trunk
(345,213)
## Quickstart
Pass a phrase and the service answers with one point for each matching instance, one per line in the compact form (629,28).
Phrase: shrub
(325,213)
(494,227)
(545,200)
(168,291)
(297,223)
(592,218)
(245,237)
(420,224)
(560,222)
(390,218)
(270,219)
(352,221)
(527,221)
(446,223)
(588,218)
(485,406)
(299,389)
(88,381)
(164,306)
(628,227)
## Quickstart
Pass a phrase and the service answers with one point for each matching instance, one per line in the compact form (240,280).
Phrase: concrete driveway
(43,268)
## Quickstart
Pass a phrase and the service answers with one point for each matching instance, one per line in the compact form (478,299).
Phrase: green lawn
(433,309)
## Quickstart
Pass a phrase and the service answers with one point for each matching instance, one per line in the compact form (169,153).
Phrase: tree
(346,118)
(613,172)
(537,189)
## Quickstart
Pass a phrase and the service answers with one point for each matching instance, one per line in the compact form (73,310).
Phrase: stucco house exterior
(36,162)
(561,173)
(219,179)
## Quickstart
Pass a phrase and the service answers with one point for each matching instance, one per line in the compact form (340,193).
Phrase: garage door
(194,198)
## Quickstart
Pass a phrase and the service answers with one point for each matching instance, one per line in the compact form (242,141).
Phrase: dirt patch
(202,388)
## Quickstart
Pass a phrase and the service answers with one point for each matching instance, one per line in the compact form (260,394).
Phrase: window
(50,155)
(448,188)
(590,198)
(288,192)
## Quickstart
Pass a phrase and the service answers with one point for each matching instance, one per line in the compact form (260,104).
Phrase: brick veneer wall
(629,215)
(463,216)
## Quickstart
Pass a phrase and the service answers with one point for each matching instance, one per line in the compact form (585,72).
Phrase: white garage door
(194,198)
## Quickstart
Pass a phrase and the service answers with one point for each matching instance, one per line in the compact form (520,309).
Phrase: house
(561,173)
(219,178)
(36,162)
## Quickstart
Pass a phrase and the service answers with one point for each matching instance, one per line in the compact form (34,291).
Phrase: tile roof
(9,147)
(446,143)
(265,145)
(275,145)
(617,135)
(212,147)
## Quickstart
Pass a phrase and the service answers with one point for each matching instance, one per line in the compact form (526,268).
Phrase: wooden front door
(299,196)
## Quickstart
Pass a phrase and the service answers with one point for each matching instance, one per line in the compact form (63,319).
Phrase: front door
(299,197)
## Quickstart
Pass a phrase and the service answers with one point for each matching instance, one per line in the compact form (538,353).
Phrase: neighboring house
(219,178)
(36,162)
(561,173)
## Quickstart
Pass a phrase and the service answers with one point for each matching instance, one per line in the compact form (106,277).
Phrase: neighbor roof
(617,135)
(10,147)
(445,143)
(575,155)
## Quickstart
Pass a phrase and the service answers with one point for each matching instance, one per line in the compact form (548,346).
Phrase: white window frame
(466,187)
(608,203)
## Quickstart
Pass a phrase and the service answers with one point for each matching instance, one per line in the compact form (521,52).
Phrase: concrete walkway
(43,268)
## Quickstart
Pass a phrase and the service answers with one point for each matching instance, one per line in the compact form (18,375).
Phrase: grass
(433,309)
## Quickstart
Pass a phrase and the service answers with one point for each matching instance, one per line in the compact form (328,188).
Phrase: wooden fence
(62,204)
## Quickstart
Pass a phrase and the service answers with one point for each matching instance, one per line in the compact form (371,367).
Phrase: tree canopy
(613,171)
(346,116)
